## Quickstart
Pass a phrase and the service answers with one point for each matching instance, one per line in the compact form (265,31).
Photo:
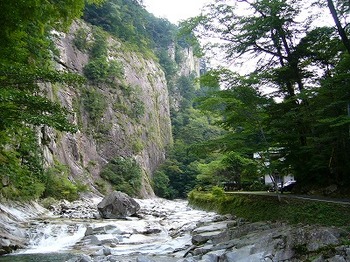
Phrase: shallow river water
(161,232)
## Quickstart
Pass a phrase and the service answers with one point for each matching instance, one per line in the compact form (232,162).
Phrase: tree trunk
(341,30)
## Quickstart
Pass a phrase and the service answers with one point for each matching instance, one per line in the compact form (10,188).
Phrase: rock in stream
(171,231)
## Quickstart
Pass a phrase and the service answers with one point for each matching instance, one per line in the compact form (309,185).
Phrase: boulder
(117,205)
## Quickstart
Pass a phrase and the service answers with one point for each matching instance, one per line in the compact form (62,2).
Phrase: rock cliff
(125,115)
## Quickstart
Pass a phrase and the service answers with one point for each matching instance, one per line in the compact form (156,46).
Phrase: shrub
(125,174)
(218,191)
(47,202)
(80,39)
(95,104)
(58,185)
(96,69)
(161,184)
(101,186)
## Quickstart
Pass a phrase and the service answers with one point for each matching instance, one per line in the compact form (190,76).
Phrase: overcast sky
(174,10)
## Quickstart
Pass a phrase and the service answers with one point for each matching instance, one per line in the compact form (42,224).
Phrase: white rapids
(163,229)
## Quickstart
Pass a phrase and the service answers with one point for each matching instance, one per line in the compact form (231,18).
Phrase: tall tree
(295,64)
(336,19)
(26,48)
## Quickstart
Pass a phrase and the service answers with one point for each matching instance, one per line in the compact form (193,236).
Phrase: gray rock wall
(144,137)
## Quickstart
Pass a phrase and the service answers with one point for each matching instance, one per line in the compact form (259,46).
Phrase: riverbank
(269,208)
(170,231)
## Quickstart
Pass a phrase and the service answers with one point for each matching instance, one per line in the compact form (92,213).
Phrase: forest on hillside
(289,113)
(301,126)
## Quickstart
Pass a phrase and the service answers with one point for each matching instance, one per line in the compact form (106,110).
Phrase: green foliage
(94,103)
(124,174)
(21,102)
(306,69)
(21,169)
(102,186)
(48,202)
(268,208)
(99,69)
(137,146)
(168,65)
(190,127)
(81,39)
(129,21)
(161,185)
(96,70)
(26,63)
(57,184)
(218,192)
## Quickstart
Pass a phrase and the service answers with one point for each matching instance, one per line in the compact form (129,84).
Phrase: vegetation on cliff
(25,67)
(291,107)
(31,90)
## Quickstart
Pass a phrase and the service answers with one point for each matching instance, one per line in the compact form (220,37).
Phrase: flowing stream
(161,232)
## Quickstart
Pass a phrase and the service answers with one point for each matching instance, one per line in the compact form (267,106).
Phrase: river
(161,232)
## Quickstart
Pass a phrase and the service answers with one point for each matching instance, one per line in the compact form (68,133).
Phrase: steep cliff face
(127,116)
(189,66)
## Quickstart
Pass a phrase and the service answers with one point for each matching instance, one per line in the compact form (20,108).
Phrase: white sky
(174,10)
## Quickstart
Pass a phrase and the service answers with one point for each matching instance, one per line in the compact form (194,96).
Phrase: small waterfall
(51,237)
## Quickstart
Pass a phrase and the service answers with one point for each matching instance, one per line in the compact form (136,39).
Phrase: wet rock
(92,240)
(215,232)
(111,258)
(144,259)
(81,258)
(213,256)
(337,258)
(188,259)
(348,252)
(117,205)
(89,231)
(107,251)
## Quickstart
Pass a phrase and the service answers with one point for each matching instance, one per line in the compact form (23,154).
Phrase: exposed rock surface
(117,205)
(13,216)
(262,241)
(143,135)
(172,232)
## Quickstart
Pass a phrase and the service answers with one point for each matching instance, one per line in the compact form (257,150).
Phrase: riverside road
(289,195)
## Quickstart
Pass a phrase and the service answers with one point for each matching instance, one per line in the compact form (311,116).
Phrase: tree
(345,7)
(299,64)
(243,112)
(26,65)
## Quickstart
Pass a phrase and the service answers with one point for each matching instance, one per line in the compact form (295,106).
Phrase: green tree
(303,66)
(26,56)
(125,174)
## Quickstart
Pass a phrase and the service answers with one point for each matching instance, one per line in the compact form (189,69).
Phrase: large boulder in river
(117,205)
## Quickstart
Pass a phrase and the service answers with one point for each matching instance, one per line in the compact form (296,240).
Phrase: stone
(85,258)
(5,242)
(318,259)
(143,259)
(117,205)
(93,240)
(243,255)
(89,231)
(337,258)
(216,236)
(213,256)
(189,259)
(348,252)
(211,227)
(107,251)
(111,258)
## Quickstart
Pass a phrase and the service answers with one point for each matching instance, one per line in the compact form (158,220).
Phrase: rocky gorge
(162,230)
